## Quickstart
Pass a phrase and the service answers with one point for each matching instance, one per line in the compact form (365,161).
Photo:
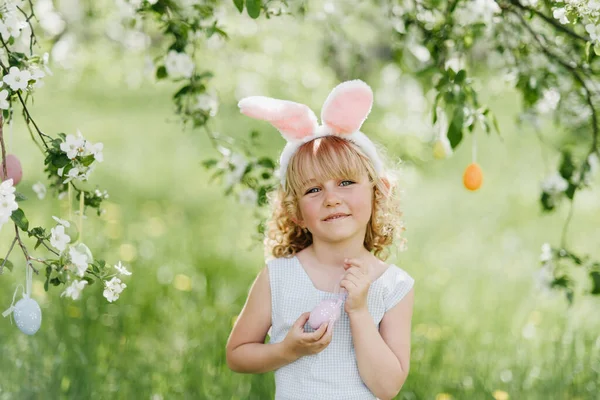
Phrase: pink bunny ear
(347,106)
(293,120)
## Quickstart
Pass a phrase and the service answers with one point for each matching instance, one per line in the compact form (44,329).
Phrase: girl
(333,216)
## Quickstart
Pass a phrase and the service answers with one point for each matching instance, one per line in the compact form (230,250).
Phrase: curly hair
(332,157)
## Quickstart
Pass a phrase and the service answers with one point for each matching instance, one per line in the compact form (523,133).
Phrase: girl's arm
(383,356)
(246,350)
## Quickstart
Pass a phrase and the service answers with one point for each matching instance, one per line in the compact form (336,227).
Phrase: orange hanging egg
(473,177)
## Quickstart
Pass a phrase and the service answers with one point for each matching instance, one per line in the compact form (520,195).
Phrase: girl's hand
(298,343)
(356,281)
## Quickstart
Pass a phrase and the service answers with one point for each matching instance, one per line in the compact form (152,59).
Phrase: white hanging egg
(28,315)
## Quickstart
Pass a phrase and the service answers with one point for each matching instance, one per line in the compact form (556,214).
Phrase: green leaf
(8,264)
(209,163)
(20,196)
(88,160)
(567,167)
(570,192)
(456,126)
(266,162)
(239,4)
(597,49)
(89,280)
(253,7)
(547,202)
(161,72)
(262,196)
(460,76)
(18,216)
(595,276)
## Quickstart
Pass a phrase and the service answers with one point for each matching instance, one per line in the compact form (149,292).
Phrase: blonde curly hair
(332,157)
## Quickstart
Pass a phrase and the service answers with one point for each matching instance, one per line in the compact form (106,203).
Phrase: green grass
(472,255)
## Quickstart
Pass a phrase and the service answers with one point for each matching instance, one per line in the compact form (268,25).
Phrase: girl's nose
(331,198)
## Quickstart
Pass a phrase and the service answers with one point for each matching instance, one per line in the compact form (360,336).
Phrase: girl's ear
(347,107)
(293,120)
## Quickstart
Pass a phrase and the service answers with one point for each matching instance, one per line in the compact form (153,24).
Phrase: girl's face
(352,197)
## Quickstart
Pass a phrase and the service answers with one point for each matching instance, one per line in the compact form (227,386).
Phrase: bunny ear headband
(343,113)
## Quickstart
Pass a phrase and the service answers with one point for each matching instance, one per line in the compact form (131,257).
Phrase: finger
(360,264)
(329,329)
(318,334)
(355,271)
(348,285)
(357,280)
(301,321)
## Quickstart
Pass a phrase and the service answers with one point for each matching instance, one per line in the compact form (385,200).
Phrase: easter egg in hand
(13,169)
(327,310)
(473,177)
(28,315)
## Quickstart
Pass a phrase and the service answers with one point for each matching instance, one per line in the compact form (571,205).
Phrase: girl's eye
(311,190)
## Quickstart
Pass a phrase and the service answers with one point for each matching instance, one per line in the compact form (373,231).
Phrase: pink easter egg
(327,310)
(13,169)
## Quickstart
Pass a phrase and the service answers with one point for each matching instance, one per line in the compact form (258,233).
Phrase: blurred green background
(481,327)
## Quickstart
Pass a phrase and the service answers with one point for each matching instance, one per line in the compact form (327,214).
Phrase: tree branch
(551,21)
(573,70)
(24,249)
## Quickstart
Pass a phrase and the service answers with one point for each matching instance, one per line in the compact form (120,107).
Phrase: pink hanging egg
(13,169)
(327,310)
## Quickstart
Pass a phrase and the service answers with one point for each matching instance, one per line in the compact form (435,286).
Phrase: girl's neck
(333,257)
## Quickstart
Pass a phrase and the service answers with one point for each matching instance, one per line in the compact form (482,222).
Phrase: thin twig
(7,254)
(24,249)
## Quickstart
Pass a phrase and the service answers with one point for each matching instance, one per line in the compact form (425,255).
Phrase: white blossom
(17,79)
(179,65)
(546,254)
(4,104)
(96,150)
(73,146)
(122,270)
(7,188)
(549,102)
(555,184)
(80,257)
(39,189)
(248,196)
(116,285)
(74,290)
(11,26)
(8,202)
(594,31)
(62,222)
(207,102)
(561,15)
(113,289)
(110,295)
(103,195)
(73,174)
(58,238)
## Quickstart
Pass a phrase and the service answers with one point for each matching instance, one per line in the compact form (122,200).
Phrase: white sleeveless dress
(333,373)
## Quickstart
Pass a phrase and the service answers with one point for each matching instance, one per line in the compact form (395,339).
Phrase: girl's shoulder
(396,283)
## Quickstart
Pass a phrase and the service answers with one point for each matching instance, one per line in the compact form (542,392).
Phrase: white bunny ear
(347,106)
(293,120)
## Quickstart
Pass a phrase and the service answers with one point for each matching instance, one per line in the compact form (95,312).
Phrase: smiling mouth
(336,218)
